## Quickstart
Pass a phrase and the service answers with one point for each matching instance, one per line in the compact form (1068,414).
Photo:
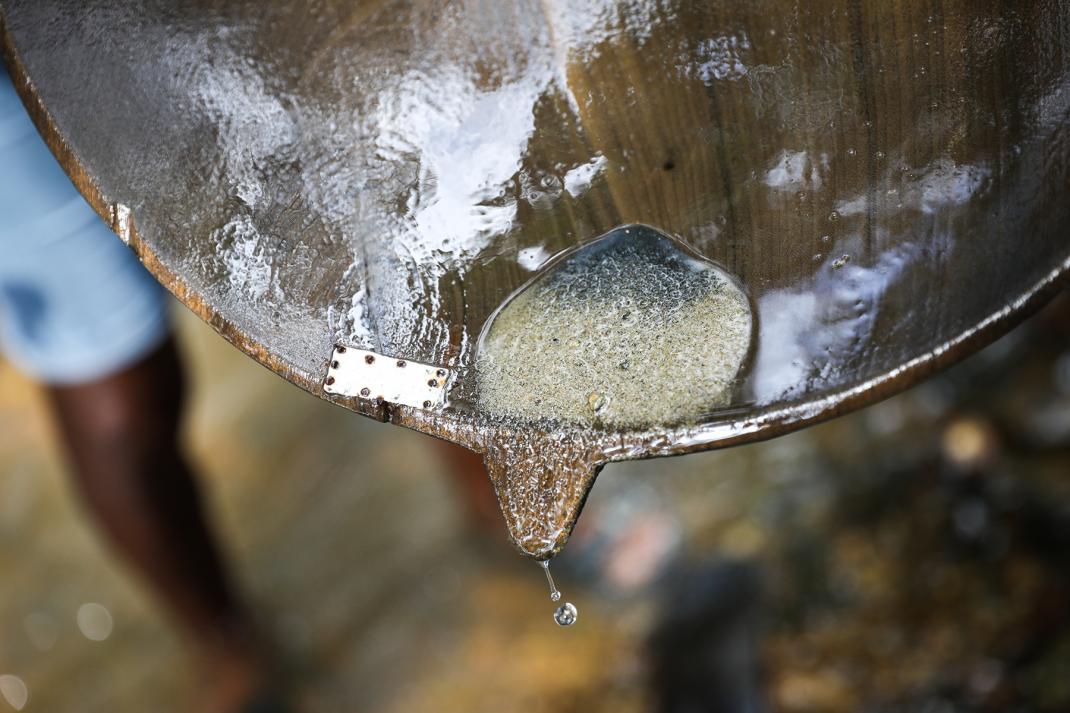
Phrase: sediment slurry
(541,481)
(631,330)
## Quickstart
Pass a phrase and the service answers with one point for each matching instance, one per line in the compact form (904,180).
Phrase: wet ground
(910,557)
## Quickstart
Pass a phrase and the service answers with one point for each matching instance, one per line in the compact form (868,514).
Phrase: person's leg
(80,315)
(122,434)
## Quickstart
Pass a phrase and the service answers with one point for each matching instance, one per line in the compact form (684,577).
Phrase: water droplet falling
(566,614)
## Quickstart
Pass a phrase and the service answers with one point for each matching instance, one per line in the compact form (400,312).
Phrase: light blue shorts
(75,304)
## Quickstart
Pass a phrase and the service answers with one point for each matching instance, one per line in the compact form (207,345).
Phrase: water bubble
(841,261)
(834,216)
(566,614)
(851,152)
(826,238)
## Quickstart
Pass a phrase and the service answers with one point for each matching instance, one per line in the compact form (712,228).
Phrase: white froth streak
(578,179)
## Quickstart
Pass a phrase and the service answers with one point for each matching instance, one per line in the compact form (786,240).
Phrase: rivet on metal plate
(359,372)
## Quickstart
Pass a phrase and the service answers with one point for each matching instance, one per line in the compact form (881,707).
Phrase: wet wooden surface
(913,557)
(887,180)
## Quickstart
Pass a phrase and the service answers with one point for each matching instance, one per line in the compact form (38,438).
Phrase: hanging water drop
(566,614)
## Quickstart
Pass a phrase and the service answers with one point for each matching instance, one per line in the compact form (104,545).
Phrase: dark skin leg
(122,438)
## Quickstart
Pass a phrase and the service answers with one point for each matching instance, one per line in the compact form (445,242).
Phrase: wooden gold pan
(888,180)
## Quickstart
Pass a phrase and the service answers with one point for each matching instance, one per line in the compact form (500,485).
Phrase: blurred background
(912,556)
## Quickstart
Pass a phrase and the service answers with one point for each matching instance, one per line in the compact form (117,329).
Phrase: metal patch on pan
(358,372)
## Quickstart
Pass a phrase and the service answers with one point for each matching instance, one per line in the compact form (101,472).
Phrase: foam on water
(631,330)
